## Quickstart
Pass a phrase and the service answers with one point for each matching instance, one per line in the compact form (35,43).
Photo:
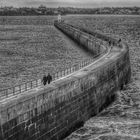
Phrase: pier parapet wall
(52,112)
(89,42)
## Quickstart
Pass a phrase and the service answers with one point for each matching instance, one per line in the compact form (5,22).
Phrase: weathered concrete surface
(121,120)
(55,111)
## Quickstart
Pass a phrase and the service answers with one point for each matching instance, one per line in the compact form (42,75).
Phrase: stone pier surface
(53,112)
(120,121)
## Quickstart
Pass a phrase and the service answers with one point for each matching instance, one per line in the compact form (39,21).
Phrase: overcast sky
(71,3)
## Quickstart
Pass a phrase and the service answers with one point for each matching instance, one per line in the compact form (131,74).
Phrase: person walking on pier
(119,41)
(109,43)
(47,79)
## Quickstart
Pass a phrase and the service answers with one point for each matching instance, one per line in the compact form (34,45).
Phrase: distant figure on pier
(119,41)
(47,79)
(44,80)
(109,43)
(113,43)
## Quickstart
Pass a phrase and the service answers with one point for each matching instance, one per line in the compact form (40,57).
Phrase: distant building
(56,12)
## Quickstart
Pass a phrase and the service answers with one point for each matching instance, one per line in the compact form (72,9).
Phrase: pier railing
(18,89)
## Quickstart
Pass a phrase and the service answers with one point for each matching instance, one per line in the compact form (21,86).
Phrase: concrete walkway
(40,88)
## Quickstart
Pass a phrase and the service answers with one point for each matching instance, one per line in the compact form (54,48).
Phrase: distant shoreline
(42,10)
(70,15)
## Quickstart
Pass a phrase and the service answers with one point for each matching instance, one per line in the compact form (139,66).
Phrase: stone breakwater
(120,121)
(55,111)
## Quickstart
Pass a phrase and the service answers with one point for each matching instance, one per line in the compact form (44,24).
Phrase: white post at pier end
(59,18)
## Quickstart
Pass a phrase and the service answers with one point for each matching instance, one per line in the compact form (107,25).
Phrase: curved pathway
(88,132)
(40,88)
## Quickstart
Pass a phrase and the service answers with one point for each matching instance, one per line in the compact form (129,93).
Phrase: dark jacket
(47,79)
(44,80)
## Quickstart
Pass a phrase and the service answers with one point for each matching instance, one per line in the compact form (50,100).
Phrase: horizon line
(70,7)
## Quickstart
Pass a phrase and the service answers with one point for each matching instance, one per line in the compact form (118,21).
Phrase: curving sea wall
(52,112)
(89,42)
